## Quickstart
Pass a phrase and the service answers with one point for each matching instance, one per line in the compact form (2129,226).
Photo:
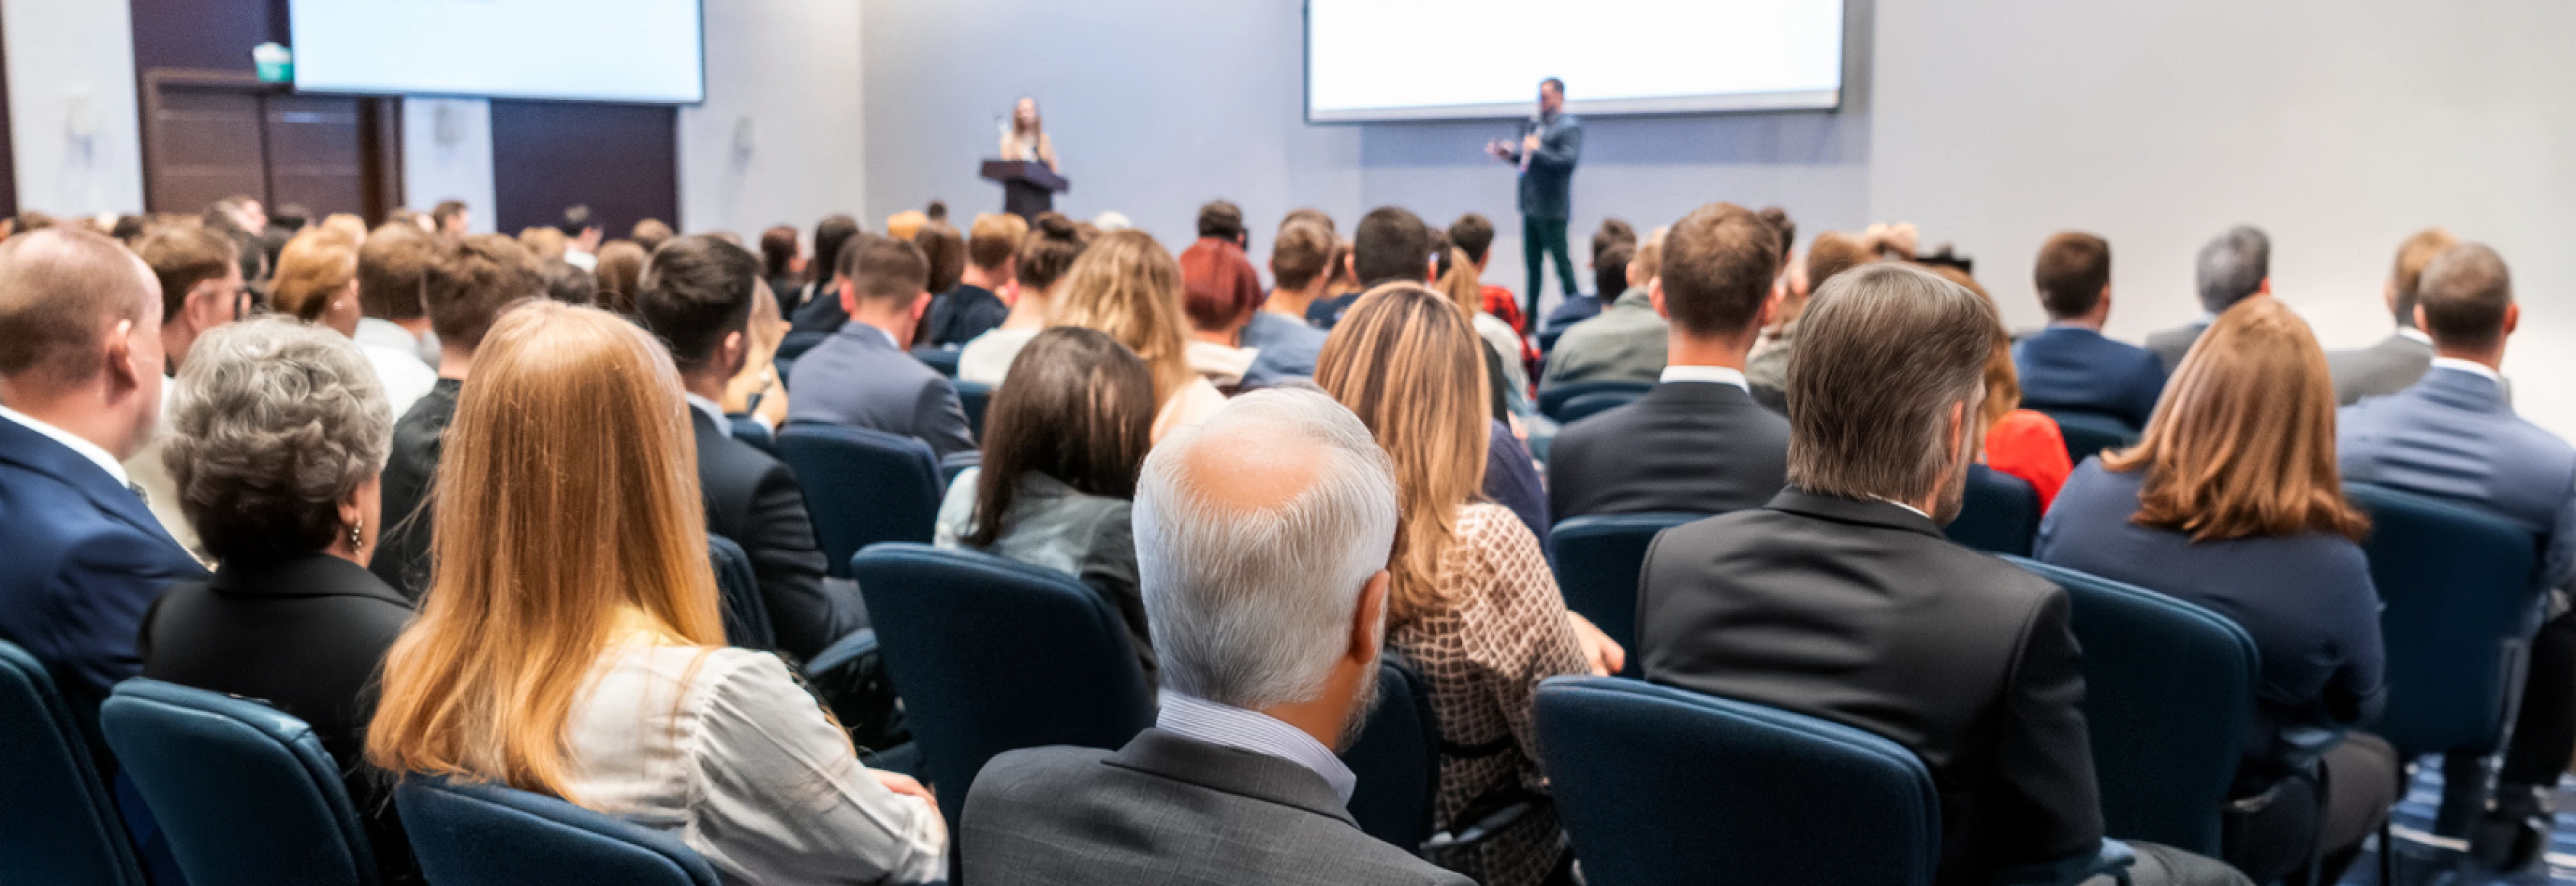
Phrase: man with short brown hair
(393,330)
(199,269)
(2398,361)
(982,297)
(2070,365)
(1300,255)
(865,376)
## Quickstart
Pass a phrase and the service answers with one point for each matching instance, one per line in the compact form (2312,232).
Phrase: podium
(1028,187)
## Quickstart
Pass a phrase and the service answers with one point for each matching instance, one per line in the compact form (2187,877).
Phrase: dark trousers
(2360,780)
(1540,238)
(2544,733)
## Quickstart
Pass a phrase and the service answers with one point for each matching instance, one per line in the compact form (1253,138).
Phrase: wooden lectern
(1028,187)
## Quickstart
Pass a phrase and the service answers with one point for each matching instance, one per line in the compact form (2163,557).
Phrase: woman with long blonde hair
(2234,501)
(1470,599)
(1128,286)
(570,642)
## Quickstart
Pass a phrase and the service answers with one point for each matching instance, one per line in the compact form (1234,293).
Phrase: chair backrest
(490,835)
(942,359)
(746,613)
(1998,515)
(56,823)
(1583,406)
(2088,433)
(991,655)
(1597,560)
(1397,758)
(245,792)
(956,463)
(754,433)
(1658,785)
(974,396)
(2459,595)
(2168,695)
(1553,398)
(795,344)
(862,486)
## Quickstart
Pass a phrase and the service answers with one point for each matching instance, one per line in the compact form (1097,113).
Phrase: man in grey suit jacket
(2235,266)
(1262,539)
(2454,436)
(2396,362)
(863,376)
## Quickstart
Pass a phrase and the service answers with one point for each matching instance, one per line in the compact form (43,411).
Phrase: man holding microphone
(1550,144)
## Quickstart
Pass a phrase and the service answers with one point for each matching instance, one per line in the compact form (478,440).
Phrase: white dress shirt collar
(1715,375)
(2415,335)
(92,451)
(1202,720)
(713,412)
(2469,366)
(1917,511)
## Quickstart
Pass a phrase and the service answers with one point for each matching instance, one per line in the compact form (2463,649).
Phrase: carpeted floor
(2427,860)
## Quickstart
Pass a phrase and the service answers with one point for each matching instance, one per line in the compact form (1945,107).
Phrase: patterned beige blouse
(1484,659)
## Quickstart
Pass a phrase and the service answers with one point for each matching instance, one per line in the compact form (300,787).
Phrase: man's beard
(1365,705)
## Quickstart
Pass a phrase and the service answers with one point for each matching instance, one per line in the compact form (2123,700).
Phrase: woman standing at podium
(1025,138)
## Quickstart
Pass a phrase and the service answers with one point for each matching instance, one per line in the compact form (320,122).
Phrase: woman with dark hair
(779,264)
(1062,446)
(621,266)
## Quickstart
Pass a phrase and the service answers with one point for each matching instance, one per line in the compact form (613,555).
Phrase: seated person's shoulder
(1037,777)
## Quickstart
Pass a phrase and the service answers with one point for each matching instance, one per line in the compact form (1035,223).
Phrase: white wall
(447,155)
(789,69)
(68,61)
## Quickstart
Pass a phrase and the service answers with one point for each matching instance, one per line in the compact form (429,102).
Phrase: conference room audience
(1626,341)
(864,376)
(621,264)
(946,252)
(202,287)
(451,219)
(277,431)
(1301,256)
(317,281)
(582,236)
(567,283)
(1609,277)
(1262,540)
(649,234)
(467,284)
(782,266)
(2232,502)
(2234,266)
(1125,285)
(1697,442)
(1045,260)
(834,233)
(1842,600)
(698,298)
(824,312)
(572,645)
(1390,243)
(2398,361)
(1766,368)
(81,357)
(2018,442)
(395,332)
(1062,445)
(2071,365)
(1471,603)
(546,243)
(975,306)
(1221,292)
(2454,436)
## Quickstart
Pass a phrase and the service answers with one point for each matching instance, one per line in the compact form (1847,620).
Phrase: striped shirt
(1233,727)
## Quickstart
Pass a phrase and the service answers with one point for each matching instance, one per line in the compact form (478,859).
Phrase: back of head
(1219,288)
(1299,254)
(472,281)
(1610,269)
(1255,535)
(936,211)
(577,220)
(1126,285)
(1885,353)
(61,291)
(2466,293)
(777,251)
(1408,363)
(1475,234)
(1391,244)
(946,253)
(1047,253)
(1833,253)
(2234,266)
(546,243)
(1613,232)
(833,233)
(272,424)
(651,233)
(446,212)
(1783,228)
(1221,219)
(2074,269)
(315,266)
(390,270)
(2412,257)
(568,283)
(1717,267)
(884,269)
(183,254)
(994,239)
(696,291)
(903,225)
(1079,408)
(567,494)
(620,268)
(1310,215)
(2243,443)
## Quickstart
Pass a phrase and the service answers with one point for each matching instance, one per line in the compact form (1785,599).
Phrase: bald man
(81,356)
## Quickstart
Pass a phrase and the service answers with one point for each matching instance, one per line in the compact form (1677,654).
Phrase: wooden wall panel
(621,160)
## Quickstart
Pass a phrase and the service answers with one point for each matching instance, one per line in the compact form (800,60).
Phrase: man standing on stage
(1550,144)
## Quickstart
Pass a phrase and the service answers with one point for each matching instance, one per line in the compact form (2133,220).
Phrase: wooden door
(210,135)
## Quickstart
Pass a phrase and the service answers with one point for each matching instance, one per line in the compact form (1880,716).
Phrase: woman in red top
(2019,441)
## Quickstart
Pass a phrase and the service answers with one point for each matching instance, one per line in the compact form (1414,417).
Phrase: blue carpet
(2427,860)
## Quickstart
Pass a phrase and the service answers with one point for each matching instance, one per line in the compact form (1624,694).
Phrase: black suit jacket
(308,636)
(1860,612)
(410,475)
(753,500)
(1689,447)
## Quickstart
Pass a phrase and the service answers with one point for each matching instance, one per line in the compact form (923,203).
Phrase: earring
(357,538)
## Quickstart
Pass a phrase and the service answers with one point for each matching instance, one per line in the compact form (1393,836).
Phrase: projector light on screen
(648,51)
(1376,60)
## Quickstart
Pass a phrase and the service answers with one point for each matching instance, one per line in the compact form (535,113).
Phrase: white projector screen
(1371,60)
(593,50)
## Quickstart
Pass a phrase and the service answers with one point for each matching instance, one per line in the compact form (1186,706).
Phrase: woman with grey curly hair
(276,432)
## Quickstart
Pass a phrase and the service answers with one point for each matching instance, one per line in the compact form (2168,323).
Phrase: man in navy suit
(2070,365)
(2454,436)
(80,389)
(864,376)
